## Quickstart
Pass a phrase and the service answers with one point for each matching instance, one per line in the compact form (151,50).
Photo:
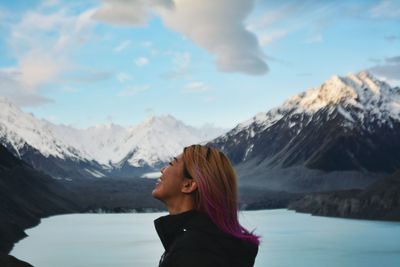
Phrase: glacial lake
(289,239)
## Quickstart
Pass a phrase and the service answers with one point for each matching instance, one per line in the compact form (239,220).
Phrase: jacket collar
(169,226)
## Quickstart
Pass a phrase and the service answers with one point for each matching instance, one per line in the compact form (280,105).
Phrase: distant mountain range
(343,134)
(104,150)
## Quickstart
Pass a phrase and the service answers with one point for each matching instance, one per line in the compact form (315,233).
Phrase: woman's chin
(156,193)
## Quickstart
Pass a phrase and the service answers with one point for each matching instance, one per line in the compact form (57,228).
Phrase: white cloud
(12,88)
(265,25)
(181,61)
(267,39)
(149,46)
(122,46)
(141,61)
(210,99)
(41,42)
(123,77)
(195,87)
(285,17)
(386,9)
(181,64)
(38,68)
(133,90)
(47,3)
(70,90)
(314,39)
(84,21)
(217,26)
(271,17)
(128,12)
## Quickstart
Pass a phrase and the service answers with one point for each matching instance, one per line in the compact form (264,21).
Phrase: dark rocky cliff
(380,201)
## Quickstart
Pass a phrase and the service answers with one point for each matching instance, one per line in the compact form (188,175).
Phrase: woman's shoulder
(201,234)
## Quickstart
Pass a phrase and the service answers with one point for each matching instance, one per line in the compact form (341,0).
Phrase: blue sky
(84,63)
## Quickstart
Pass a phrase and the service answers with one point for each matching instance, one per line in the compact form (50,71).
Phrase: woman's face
(170,184)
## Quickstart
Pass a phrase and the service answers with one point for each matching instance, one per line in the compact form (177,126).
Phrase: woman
(199,189)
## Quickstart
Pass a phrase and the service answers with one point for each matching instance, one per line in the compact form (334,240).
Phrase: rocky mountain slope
(344,134)
(379,201)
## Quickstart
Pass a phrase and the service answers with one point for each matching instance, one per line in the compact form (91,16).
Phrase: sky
(84,63)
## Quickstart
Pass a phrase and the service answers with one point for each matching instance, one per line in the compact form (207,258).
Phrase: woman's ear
(189,186)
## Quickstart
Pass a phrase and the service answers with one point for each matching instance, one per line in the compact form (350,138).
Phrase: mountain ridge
(348,124)
(98,151)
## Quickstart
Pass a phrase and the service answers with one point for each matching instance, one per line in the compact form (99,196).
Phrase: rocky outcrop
(380,201)
(11,261)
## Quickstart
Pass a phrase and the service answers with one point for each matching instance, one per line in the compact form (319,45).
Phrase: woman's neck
(175,207)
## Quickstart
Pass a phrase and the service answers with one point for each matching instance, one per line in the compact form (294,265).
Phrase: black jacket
(191,239)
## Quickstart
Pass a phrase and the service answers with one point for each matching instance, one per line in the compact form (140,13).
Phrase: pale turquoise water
(289,239)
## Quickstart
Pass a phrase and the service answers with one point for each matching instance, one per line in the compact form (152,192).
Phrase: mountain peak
(362,90)
(166,117)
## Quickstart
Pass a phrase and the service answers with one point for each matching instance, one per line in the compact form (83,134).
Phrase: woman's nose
(162,169)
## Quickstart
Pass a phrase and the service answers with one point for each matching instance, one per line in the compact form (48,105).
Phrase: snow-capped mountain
(156,140)
(34,141)
(96,151)
(98,141)
(19,129)
(151,142)
(349,123)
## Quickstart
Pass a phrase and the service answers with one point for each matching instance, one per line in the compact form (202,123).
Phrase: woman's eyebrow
(175,159)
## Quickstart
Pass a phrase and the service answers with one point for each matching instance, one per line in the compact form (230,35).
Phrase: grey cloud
(91,77)
(385,9)
(390,69)
(12,89)
(375,60)
(392,38)
(128,12)
(393,60)
(216,26)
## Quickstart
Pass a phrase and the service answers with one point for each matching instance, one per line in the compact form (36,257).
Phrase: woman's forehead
(178,157)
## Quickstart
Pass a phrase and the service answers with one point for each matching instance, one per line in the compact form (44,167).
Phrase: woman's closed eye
(170,163)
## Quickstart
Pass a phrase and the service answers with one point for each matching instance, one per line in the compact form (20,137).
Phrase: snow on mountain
(150,143)
(155,140)
(343,107)
(97,141)
(19,129)
(336,136)
(361,91)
